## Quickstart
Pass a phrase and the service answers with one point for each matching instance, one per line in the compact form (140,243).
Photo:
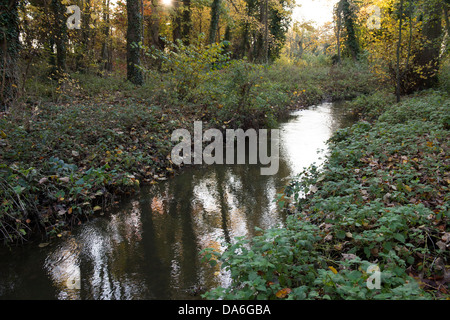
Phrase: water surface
(148,247)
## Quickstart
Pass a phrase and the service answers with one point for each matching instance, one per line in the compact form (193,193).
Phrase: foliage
(371,106)
(65,162)
(9,49)
(188,65)
(380,199)
(419,46)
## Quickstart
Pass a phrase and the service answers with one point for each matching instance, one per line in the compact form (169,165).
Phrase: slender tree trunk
(9,52)
(60,35)
(106,50)
(186,24)
(258,52)
(83,54)
(445,9)
(153,27)
(399,45)
(134,36)
(338,13)
(227,38)
(266,31)
(447,23)
(176,22)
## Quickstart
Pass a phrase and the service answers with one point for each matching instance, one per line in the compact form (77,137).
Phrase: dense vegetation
(380,199)
(88,114)
(64,160)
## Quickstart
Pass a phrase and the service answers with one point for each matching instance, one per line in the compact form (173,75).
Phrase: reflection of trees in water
(150,248)
(100,262)
(63,267)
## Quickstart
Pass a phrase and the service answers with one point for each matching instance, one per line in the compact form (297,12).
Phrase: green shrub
(371,106)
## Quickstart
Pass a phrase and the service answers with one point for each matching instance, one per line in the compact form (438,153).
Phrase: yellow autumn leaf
(333,269)
(283,293)
(408,188)
(97,208)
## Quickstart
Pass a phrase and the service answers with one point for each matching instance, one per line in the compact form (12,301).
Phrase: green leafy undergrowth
(62,163)
(380,202)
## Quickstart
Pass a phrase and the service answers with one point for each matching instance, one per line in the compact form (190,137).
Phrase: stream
(148,247)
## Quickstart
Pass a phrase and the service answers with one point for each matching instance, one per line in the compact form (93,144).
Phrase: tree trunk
(106,49)
(446,19)
(153,27)
(428,57)
(399,45)
(186,22)
(351,42)
(266,31)
(176,22)
(215,8)
(134,36)
(338,13)
(60,36)
(9,52)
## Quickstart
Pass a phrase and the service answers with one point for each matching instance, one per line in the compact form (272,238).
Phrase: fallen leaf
(283,293)
(97,208)
(328,237)
(441,245)
(333,269)
(446,237)
(43,180)
(349,256)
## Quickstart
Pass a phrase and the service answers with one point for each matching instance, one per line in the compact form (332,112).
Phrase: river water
(148,247)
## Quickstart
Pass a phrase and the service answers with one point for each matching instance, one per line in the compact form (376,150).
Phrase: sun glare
(167,2)
(318,11)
